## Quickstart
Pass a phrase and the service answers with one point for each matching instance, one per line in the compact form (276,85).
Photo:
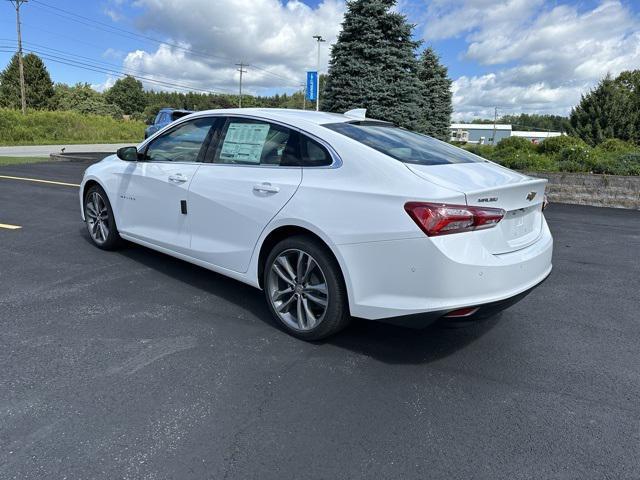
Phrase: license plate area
(522,226)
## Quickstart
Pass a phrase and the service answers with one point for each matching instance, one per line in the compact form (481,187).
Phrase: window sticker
(244,142)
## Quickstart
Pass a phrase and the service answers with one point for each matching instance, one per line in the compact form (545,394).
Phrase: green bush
(626,164)
(554,145)
(517,143)
(530,161)
(45,127)
(614,145)
(565,154)
(484,151)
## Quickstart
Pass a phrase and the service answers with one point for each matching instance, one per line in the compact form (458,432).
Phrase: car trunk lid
(489,185)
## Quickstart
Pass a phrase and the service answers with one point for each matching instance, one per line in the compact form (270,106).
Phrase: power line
(97,68)
(126,70)
(129,34)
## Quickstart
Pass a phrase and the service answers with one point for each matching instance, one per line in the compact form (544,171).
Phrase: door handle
(177,178)
(266,188)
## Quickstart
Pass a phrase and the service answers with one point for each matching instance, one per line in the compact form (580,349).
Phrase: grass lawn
(21,160)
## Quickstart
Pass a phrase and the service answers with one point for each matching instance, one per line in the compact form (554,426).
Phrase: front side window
(403,145)
(254,142)
(182,144)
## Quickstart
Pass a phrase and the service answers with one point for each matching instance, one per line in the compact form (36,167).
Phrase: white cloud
(212,37)
(543,58)
(113,54)
(107,84)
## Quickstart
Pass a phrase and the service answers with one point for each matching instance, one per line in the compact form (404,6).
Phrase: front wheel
(305,290)
(99,218)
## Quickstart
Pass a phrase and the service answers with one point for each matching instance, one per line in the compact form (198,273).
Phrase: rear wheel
(305,290)
(99,219)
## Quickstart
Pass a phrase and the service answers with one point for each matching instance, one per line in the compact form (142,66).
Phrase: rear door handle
(266,188)
(177,178)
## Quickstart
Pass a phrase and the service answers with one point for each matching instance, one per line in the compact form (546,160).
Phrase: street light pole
(23,93)
(319,39)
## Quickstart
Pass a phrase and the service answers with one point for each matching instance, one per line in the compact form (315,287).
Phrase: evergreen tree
(436,95)
(605,112)
(373,65)
(128,94)
(38,84)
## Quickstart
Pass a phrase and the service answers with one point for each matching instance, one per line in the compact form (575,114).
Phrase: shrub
(627,164)
(615,145)
(553,145)
(517,143)
(484,151)
(577,158)
(530,161)
(43,127)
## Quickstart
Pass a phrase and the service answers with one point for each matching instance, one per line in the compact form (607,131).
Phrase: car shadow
(384,342)
(401,345)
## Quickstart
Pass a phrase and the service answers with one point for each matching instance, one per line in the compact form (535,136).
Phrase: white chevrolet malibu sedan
(333,216)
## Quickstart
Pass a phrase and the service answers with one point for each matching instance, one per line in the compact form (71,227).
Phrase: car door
(153,192)
(253,171)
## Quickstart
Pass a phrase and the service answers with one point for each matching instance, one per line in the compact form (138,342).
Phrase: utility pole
(304,96)
(495,120)
(319,39)
(23,93)
(241,70)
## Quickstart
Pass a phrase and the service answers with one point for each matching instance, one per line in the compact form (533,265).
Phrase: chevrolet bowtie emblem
(531,196)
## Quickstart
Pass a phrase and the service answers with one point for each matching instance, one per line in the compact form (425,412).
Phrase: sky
(521,56)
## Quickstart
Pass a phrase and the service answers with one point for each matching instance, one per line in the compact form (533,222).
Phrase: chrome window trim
(336,159)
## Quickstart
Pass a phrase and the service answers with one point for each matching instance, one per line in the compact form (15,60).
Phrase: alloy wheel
(97,215)
(298,290)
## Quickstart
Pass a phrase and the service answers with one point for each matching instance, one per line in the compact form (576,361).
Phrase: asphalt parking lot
(132,364)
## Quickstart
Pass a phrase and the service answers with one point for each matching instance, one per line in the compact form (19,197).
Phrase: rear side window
(313,154)
(403,145)
(255,142)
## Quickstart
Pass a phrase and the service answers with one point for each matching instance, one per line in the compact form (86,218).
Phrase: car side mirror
(128,154)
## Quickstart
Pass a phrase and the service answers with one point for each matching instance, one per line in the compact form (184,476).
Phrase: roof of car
(286,115)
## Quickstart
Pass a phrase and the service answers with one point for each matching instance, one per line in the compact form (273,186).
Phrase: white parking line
(40,181)
(9,227)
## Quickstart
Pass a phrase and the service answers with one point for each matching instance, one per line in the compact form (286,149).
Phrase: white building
(484,133)
(535,137)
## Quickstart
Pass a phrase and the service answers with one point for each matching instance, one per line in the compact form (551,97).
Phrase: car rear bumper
(402,278)
(422,320)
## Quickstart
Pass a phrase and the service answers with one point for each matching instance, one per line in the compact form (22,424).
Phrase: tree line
(375,64)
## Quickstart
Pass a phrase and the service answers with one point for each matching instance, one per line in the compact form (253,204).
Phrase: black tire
(336,313)
(112,238)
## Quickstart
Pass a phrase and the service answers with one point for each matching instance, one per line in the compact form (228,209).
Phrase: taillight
(442,219)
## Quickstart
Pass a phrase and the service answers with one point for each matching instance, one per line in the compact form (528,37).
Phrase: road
(46,150)
(132,364)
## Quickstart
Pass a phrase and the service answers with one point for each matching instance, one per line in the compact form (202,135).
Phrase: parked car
(333,216)
(164,117)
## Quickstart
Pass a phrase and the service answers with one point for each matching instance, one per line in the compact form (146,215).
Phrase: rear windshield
(403,145)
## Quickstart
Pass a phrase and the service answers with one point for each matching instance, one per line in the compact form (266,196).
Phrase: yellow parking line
(40,181)
(9,227)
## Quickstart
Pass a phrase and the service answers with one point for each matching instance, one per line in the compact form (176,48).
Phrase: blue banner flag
(312,86)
